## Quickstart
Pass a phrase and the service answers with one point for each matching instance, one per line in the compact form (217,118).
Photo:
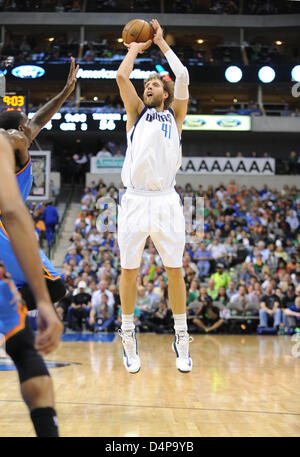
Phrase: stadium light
(295,73)
(266,74)
(233,74)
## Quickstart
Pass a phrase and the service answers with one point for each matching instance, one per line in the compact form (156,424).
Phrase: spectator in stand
(218,251)
(222,297)
(202,257)
(293,222)
(231,290)
(80,307)
(100,318)
(232,188)
(193,292)
(96,297)
(51,218)
(207,316)
(211,290)
(288,299)
(153,297)
(220,278)
(160,320)
(292,163)
(270,309)
(255,110)
(240,302)
(104,153)
(292,314)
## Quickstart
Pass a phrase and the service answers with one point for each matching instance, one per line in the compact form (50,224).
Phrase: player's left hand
(158,31)
(71,81)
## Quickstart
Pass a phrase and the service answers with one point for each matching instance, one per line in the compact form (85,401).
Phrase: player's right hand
(139,47)
(49,327)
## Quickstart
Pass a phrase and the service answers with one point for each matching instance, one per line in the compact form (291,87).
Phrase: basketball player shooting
(150,205)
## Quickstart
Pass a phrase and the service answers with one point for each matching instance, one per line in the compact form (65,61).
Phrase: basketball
(137,30)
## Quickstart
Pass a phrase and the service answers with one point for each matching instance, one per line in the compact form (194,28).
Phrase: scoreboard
(14,101)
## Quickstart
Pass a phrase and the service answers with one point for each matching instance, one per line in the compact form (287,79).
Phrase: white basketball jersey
(153,153)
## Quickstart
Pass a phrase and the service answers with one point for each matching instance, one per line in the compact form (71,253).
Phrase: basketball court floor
(240,386)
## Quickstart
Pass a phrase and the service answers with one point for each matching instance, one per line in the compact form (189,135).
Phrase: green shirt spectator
(221,278)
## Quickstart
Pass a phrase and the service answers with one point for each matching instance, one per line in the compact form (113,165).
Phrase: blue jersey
(12,309)
(25,179)
(12,266)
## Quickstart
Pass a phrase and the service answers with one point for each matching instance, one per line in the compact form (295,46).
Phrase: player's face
(154,93)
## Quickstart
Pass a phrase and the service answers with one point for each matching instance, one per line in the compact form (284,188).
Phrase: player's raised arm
(45,113)
(19,226)
(181,91)
(132,102)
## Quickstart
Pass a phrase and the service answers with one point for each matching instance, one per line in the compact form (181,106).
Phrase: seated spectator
(202,257)
(161,319)
(269,309)
(220,278)
(80,307)
(103,153)
(243,111)
(211,290)
(256,295)
(193,292)
(292,314)
(208,316)
(96,297)
(240,302)
(231,290)
(100,318)
(218,251)
(153,297)
(288,299)
(222,297)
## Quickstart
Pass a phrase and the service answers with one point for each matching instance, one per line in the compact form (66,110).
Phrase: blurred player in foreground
(20,344)
(23,131)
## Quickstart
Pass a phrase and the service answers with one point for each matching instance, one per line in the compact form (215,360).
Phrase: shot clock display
(14,101)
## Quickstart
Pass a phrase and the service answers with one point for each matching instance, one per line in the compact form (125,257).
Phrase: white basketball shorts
(155,214)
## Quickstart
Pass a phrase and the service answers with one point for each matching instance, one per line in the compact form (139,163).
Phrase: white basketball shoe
(131,358)
(180,346)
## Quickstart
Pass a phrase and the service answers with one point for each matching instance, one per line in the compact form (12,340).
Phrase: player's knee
(28,362)
(174,273)
(130,274)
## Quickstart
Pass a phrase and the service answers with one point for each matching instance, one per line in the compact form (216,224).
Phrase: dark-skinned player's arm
(46,112)
(181,91)
(19,226)
(132,102)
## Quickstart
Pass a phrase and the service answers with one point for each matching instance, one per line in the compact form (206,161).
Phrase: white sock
(127,322)
(180,322)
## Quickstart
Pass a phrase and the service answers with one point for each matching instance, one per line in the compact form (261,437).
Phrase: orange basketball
(137,30)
